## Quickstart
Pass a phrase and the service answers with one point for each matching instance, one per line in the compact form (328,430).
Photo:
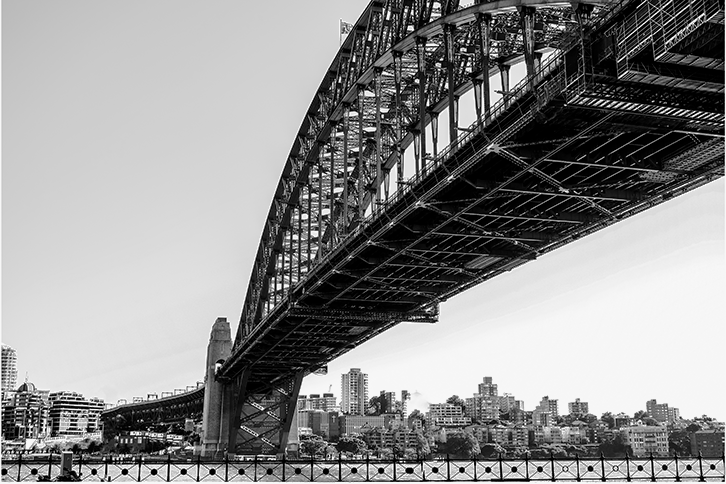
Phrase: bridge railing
(167,469)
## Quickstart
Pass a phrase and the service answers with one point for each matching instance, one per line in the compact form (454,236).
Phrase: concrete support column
(214,431)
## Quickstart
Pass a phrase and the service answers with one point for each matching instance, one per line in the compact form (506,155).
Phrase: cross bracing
(404,64)
(376,220)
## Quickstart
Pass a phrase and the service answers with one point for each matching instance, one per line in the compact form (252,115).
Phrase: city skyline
(135,188)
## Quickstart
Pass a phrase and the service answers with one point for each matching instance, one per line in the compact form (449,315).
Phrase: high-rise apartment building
(485,404)
(25,413)
(389,402)
(9,369)
(73,415)
(354,392)
(578,408)
(508,402)
(405,397)
(661,411)
(488,388)
(546,412)
(482,408)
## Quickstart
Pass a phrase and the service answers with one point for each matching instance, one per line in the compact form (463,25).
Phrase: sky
(142,142)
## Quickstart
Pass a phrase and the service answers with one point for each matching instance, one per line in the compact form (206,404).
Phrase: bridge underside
(615,124)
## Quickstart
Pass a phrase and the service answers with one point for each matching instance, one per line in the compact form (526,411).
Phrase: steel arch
(393,46)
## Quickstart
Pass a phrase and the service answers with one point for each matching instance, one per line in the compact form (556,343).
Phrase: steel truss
(356,241)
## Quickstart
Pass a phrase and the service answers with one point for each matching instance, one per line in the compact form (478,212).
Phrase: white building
(9,369)
(354,392)
(646,440)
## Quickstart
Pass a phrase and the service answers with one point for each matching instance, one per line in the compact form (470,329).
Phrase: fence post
(340,466)
(50,465)
(475,479)
(627,466)
(652,468)
(283,467)
(526,467)
(199,465)
(501,467)
(448,467)
(20,465)
(226,467)
(80,464)
(552,464)
(368,467)
(105,467)
(168,467)
(577,466)
(394,466)
(139,478)
(675,458)
(700,467)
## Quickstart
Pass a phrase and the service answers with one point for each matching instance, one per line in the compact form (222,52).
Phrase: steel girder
(573,148)
(141,415)
(403,63)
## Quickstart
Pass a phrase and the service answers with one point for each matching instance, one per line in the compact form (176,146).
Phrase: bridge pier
(216,400)
(243,415)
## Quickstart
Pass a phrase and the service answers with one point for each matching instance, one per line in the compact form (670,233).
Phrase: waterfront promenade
(167,469)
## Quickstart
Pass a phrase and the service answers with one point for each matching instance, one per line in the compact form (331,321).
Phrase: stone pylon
(215,420)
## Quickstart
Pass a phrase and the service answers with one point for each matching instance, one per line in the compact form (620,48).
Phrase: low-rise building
(547,434)
(447,415)
(574,435)
(509,435)
(380,438)
(645,440)
(356,424)
(709,443)
(72,415)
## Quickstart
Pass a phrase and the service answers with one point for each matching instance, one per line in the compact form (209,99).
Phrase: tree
(398,450)
(455,400)
(615,448)
(650,422)
(679,442)
(640,414)
(491,450)
(608,418)
(351,445)
(462,444)
(423,448)
(314,446)
(374,406)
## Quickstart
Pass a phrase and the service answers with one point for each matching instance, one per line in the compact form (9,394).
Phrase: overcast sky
(142,142)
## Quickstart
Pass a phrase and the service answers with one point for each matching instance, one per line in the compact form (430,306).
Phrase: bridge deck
(554,164)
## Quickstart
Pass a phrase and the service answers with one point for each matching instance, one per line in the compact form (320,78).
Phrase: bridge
(377,221)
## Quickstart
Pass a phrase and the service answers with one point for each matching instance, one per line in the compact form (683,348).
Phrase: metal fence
(167,469)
